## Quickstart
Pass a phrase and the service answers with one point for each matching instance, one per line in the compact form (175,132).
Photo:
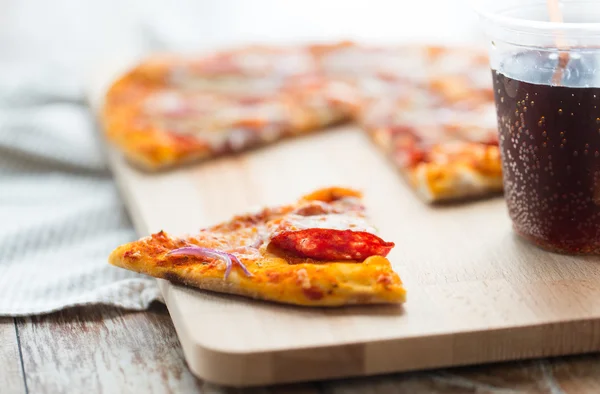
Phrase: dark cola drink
(550,145)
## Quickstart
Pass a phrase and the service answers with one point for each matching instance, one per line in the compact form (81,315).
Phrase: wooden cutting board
(476,293)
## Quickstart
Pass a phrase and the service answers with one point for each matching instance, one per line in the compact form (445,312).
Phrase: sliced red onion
(200,251)
(239,263)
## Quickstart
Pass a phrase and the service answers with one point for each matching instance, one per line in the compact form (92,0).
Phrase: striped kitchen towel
(60,213)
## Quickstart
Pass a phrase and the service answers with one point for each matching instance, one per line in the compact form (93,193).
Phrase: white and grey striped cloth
(60,213)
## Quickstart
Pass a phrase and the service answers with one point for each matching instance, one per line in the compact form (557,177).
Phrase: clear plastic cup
(547,89)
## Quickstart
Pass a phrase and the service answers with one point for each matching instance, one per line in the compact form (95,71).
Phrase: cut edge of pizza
(319,251)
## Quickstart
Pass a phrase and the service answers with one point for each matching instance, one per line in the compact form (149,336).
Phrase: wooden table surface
(106,350)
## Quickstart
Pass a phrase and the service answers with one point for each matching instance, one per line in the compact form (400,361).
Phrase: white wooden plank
(104,350)
(11,372)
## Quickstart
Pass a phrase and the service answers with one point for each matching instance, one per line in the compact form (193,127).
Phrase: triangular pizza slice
(319,251)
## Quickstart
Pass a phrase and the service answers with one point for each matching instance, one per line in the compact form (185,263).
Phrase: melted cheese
(344,221)
(216,123)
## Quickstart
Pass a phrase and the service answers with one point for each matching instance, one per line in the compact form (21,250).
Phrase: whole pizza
(430,109)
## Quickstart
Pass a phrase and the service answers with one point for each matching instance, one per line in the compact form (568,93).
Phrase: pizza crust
(362,283)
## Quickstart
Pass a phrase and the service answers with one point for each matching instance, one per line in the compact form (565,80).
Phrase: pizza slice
(319,251)
(442,171)
(440,133)
(168,111)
